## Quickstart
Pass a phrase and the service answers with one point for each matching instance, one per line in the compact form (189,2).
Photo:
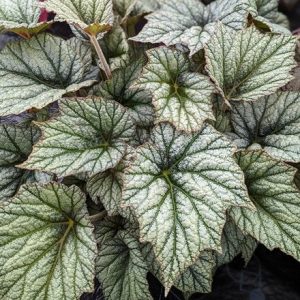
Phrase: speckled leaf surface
(271,187)
(90,135)
(179,96)
(247,64)
(19,16)
(190,22)
(235,242)
(15,146)
(122,269)
(106,187)
(179,187)
(93,16)
(266,12)
(119,88)
(47,244)
(36,72)
(198,278)
(115,47)
(271,123)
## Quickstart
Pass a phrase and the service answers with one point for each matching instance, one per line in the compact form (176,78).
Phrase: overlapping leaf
(124,7)
(235,242)
(115,47)
(106,187)
(272,123)
(190,22)
(15,145)
(179,96)
(271,187)
(47,244)
(39,71)
(92,16)
(121,268)
(198,278)
(90,135)
(247,64)
(137,100)
(21,17)
(266,12)
(179,188)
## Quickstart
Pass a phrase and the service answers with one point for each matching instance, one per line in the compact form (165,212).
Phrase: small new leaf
(39,71)
(15,146)
(90,135)
(121,268)
(247,64)
(179,187)
(179,96)
(92,16)
(271,187)
(272,123)
(47,247)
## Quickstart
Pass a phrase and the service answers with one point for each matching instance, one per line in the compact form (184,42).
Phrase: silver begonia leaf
(121,268)
(47,247)
(179,187)
(247,64)
(271,123)
(90,135)
(92,16)
(275,223)
(119,88)
(37,72)
(15,145)
(179,96)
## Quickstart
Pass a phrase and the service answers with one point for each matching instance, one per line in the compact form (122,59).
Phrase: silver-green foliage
(173,160)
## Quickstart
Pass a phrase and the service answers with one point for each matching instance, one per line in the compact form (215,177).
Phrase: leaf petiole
(103,63)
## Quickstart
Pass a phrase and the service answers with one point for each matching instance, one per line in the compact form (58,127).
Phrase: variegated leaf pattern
(90,135)
(121,268)
(179,187)
(92,16)
(248,64)
(266,12)
(235,242)
(115,47)
(47,244)
(37,72)
(275,223)
(119,88)
(15,145)
(21,17)
(179,96)
(271,123)
(190,22)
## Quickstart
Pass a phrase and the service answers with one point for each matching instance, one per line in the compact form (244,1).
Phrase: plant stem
(97,217)
(103,62)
